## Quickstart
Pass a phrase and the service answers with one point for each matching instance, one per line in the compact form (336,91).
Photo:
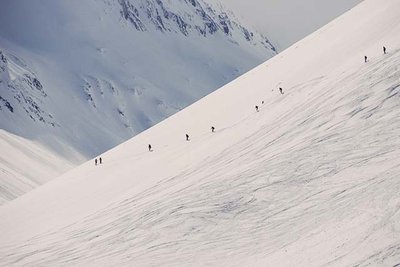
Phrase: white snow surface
(25,164)
(312,179)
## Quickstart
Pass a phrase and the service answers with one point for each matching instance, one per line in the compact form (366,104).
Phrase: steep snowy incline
(309,180)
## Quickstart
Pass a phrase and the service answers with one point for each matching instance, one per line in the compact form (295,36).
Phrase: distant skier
(95,162)
(262,102)
(149,148)
(257,108)
(212,129)
(187,137)
(281,90)
(100,160)
(384,50)
(365,59)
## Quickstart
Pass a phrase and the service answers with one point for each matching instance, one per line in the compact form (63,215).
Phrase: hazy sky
(287,21)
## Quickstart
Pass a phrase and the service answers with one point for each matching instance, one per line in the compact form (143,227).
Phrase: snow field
(310,180)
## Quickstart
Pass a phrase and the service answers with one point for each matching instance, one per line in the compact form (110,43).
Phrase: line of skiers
(187,135)
(213,128)
(100,161)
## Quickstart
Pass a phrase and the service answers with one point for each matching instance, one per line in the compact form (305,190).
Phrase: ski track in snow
(329,174)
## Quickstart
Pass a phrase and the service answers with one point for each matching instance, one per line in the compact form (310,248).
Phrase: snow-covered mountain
(312,179)
(80,77)
(89,75)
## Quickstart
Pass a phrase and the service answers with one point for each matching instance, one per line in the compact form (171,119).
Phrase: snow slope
(310,180)
(24,165)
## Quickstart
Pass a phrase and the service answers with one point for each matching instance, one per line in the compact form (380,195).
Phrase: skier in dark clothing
(257,108)
(100,160)
(212,129)
(281,90)
(365,59)
(187,137)
(384,50)
(262,102)
(149,148)
(95,162)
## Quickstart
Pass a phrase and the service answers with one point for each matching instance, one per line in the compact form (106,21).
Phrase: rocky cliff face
(193,17)
(22,91)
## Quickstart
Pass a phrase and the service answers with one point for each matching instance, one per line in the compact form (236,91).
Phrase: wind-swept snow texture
(312,179)
(92,74)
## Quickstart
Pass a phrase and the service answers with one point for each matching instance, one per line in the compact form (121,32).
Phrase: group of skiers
(100,161)
(384,52)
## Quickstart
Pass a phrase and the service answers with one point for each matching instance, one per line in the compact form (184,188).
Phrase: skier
(212,129)
(100,160)
(281,90)
(95,162)
(187,137)
(149,148)
(262,102)
(365,59)
(257,108)
(384,50)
